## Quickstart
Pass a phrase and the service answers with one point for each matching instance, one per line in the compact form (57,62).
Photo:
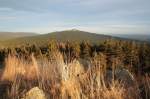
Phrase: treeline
(132,55)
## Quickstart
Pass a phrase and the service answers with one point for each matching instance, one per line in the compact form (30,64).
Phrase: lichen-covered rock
(71,70)
(125,76)
(35,93)
(121,75)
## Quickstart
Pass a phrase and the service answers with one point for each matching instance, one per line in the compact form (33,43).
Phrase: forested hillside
(61,36)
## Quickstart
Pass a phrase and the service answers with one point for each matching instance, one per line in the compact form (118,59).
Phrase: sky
(98,16)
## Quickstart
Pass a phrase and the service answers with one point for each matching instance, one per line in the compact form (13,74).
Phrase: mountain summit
(62,36)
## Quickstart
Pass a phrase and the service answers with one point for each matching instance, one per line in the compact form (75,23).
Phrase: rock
(121,75)
(35,93)
(75,69)
(108,77)
(71,70)
(86,63)
(124,76)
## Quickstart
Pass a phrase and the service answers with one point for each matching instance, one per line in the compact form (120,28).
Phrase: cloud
(5,9)
(111,16)
(7,17)
(101,5)
(101,29)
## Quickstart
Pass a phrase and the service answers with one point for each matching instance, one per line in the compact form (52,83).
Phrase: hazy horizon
(112,34)
(96,16)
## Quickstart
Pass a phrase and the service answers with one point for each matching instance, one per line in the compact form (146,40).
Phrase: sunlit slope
(70,35)
(11,35)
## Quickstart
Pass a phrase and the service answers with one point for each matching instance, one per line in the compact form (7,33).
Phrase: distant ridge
(62,36)
(141,37)
(11,35)
(77,35)
(67,35)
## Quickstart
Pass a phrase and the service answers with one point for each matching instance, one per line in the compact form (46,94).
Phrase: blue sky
(100,16)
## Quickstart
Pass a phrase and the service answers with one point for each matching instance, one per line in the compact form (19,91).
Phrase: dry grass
(18,67)
(64,81)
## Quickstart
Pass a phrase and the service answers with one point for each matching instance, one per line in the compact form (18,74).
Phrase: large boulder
(85,63)
(121,75)
(35,93)
(71,70)
(125,76)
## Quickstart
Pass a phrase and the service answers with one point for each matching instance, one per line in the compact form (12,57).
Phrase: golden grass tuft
(15,66)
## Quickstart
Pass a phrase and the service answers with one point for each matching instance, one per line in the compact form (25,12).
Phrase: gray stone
(124,76)
(121,75)
(35,93)
(86,63)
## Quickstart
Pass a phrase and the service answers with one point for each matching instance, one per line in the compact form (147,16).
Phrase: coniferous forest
(132,55)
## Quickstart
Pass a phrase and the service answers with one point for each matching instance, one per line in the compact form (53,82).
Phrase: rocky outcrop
(35,93)
(71,70)
(121,75)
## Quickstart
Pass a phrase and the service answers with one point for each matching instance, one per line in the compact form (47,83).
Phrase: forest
(132,55)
